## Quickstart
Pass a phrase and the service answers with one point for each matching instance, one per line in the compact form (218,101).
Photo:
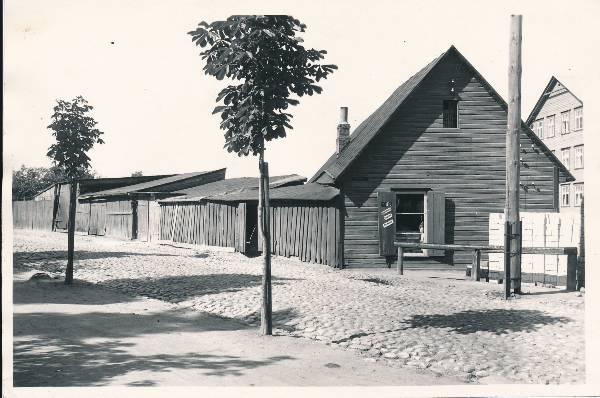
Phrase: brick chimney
(343,130)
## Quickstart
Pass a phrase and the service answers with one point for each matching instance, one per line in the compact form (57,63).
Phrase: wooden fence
(313,233)
(33,214)
(539,230)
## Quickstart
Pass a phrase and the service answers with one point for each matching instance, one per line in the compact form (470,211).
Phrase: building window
(565,127)
(450,114)
(550,126)
(565,192)
(538,128)
(579,118)
(578,194)
(565,157)
(410,217)
(579,157)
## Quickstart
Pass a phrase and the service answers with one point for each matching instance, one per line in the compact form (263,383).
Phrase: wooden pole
(71,232)
(513,131)
(266,322)
(400,264)
(507,240)
(475,268)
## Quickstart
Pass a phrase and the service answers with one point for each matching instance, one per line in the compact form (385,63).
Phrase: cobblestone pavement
(440,324)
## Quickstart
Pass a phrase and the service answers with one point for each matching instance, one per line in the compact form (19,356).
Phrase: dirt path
(84,335)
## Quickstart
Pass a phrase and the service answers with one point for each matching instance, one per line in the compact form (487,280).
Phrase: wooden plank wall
(539,230)
(414,151)
(306,231)
(310,232)
(212,224)
(153,221)
(82,217)
(33,214)
(119,219)
(62,215)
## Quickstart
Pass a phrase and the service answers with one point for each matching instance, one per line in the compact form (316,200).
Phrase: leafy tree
(137,174)
(265,54)
(75,134)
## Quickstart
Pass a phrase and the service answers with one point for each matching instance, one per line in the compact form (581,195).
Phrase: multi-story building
(557,118)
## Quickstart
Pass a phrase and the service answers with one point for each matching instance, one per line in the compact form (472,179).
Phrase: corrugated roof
(307,192)
(150,186)
(232,185)
(368,129)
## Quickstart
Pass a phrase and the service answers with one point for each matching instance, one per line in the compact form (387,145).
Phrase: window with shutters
(565,126)
(420,218)
(578,118)
(451,114)
(549,133)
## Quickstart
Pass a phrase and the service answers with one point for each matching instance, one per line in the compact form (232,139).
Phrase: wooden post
(266,322)
(400,264)
(507,241)
(71,232)
(513,133)
(475,268)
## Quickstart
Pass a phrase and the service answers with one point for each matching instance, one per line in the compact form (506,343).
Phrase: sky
(134,62)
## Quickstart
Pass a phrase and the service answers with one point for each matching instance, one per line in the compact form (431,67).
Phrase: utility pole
(512,268)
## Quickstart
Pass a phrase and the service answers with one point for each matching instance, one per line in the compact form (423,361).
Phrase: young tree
(75,135)
(264,53)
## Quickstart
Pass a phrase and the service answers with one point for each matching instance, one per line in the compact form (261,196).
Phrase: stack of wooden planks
(539,230)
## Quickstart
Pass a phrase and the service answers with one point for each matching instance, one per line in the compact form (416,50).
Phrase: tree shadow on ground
(180,288)
(25,257)
(54,291)
(119,325)
(497,321)
(56,362)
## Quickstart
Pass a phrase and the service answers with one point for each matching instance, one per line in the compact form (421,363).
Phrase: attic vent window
(450,114)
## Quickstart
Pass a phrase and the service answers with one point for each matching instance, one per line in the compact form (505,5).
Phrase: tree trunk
(266,323)
(71,233)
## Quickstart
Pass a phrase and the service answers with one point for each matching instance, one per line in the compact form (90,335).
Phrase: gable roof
(232,185)
(540,102)
(368,129)
(160,185)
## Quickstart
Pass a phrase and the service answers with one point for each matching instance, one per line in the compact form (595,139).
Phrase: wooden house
(131,211)
(305,219)
(429,166)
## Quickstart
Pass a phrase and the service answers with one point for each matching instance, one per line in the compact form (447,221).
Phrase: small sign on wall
(387,223)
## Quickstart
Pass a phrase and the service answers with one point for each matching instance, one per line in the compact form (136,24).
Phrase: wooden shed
(131,212)
(429,166)
(306,221)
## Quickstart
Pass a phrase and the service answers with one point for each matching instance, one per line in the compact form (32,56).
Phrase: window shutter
(435,231)
(387,222)
(241,228)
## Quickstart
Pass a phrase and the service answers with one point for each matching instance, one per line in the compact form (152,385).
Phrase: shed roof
(370,127)
(233,185)
(311,192)
(160,185)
